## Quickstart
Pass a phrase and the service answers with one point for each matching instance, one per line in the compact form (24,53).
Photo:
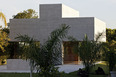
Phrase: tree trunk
(31,68)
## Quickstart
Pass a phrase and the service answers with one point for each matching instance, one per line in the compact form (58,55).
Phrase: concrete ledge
(17,64)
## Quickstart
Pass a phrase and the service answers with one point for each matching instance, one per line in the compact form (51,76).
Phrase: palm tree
(89,51)
(28,46)
(3,18)
(3,35)
(46,55)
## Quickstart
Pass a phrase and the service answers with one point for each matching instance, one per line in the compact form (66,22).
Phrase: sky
(104,10)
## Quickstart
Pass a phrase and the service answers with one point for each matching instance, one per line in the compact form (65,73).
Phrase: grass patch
(35,75)
(92,72)
(72,74)
(16,75)
(104,67)
(103,63)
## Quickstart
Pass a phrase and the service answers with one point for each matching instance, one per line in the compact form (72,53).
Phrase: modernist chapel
(51,17)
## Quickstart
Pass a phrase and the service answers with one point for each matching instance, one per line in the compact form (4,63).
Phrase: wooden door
(69,56)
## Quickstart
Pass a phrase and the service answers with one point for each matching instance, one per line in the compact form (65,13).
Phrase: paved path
(3,67)
(67,68)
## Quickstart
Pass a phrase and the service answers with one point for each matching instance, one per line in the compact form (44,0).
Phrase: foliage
(92,72)
(52,73)
(47,55)
(13,51)
(111,34)
(27,14)
(110,48)
(6,30)
(3,44)
(3,35)
(3,40)
(89,51)
(28,46)
(111,58)
(110,53)
(3,18)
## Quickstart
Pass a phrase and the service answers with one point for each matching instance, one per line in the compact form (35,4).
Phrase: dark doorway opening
(70,57)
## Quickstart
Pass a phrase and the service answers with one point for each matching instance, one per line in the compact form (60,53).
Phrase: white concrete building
(51,17)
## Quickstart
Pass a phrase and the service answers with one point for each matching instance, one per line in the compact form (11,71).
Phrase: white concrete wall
(68,12)
(40,29)
(80,26)
(23,26)
(56,11)
(100,27)
(50,11)
(50,20)
(17,64)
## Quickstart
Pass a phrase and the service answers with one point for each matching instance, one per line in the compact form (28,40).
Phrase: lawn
(35,75)
(16,75)
(72,74)
(92,72)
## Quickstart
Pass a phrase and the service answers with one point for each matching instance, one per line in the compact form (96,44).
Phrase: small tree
(29,46)
(44,56)
(110,48)
(3,35)
(110,53)
(26,14)
(88,51)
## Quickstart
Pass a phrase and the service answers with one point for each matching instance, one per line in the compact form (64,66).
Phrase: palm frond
(53,44)
(3,18)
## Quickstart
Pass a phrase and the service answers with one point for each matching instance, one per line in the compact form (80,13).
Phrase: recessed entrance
(69,56)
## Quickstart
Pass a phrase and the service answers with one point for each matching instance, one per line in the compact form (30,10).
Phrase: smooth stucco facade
(51,18)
